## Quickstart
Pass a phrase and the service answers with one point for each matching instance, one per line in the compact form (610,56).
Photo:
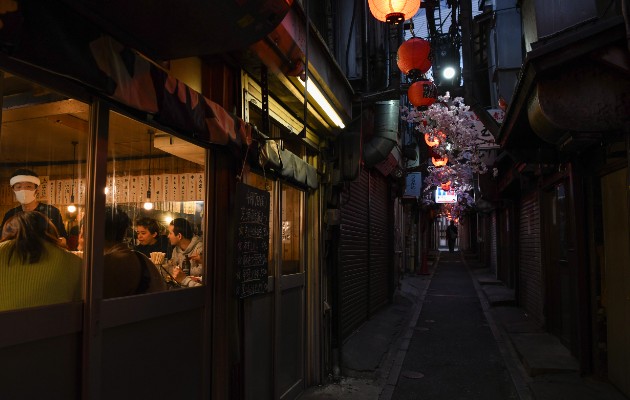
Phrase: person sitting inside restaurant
(25,184)
(150,239)
(125,272)
(35,269)
(186,245)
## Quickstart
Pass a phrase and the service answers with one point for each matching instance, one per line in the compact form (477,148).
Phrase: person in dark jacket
(150,239)
(25,184)
(451,236)
(125,272)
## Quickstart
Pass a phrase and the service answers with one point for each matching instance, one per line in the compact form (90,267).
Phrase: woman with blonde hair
(35,269)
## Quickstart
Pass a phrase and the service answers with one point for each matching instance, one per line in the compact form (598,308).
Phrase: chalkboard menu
(251,242)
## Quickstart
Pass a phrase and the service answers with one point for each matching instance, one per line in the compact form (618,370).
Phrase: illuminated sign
(442,196)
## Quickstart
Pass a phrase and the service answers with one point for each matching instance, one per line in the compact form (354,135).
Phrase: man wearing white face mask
(25,183)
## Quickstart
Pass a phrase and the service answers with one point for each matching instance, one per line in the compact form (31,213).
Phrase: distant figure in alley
(451,236)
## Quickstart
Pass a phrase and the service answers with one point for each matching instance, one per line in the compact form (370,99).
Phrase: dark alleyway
(453,353)
(456,334)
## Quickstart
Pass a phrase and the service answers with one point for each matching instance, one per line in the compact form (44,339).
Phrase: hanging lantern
(439,162)
(422,93)
(413,57)
(394,11)
(446,186)
(431,142)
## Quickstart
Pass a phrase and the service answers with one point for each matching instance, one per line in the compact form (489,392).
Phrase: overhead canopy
(36,33)
(171,29)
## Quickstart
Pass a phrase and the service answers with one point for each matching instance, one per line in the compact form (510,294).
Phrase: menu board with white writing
(251,242)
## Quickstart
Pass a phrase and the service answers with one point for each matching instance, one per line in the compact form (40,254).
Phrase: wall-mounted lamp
(319,98)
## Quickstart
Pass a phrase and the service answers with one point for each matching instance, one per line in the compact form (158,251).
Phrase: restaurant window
(156,182)
(43,155)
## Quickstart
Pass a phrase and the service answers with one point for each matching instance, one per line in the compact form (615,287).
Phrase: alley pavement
(456,333)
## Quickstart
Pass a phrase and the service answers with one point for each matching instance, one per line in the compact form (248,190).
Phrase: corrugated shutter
(353,255)
(380,255)
(364,249)
(530,260)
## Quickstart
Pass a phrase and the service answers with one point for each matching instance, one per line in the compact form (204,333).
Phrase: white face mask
(25,196)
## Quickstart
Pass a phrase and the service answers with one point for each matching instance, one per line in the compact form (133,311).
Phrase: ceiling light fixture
(319,98)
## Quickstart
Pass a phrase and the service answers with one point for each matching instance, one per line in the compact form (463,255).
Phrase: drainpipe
(385,132)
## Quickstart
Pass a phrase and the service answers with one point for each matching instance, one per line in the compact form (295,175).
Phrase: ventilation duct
(385,135)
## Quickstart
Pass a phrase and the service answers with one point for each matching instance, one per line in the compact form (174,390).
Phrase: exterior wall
(616,282)
(544,18)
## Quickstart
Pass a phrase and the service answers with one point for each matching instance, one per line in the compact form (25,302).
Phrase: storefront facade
(116,130)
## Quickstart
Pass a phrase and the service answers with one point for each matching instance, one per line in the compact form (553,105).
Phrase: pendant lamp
(393,11)
(413,57)
(422,93)
(72,208)
(148,205)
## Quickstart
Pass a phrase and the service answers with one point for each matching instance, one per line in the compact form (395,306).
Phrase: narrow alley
(453,353)
(456,333)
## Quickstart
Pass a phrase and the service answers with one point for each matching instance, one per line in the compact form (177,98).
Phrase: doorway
(561,274)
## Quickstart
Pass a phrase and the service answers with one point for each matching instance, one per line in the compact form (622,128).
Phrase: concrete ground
(453,334)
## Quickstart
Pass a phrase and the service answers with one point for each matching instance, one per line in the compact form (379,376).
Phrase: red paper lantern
(439,162)
(393,11)
(413,55)
(446,186)
(422,93)
(430,142)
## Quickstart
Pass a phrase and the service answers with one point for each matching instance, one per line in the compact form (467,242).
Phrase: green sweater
(55,278)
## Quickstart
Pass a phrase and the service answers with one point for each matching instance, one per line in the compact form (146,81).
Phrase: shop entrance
(561,272)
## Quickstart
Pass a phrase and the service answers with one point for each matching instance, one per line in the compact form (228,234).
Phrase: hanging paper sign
(134,189)
(175,194)
(43,194)
(251,240)
(157,188)
(81,191)
(413,185)
(58,192)
(200,187)
(166,182)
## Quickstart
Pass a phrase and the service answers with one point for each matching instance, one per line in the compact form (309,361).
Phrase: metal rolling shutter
(353,255)
(380,256)
(530,261)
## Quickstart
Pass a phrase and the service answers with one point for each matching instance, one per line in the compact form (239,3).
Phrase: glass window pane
(291,230)
(43,152)
(155,196)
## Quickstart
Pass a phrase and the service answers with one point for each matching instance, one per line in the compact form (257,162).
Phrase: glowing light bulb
(448,73)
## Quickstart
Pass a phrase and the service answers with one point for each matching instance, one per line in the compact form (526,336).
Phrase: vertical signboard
(251,240)
(413,185)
